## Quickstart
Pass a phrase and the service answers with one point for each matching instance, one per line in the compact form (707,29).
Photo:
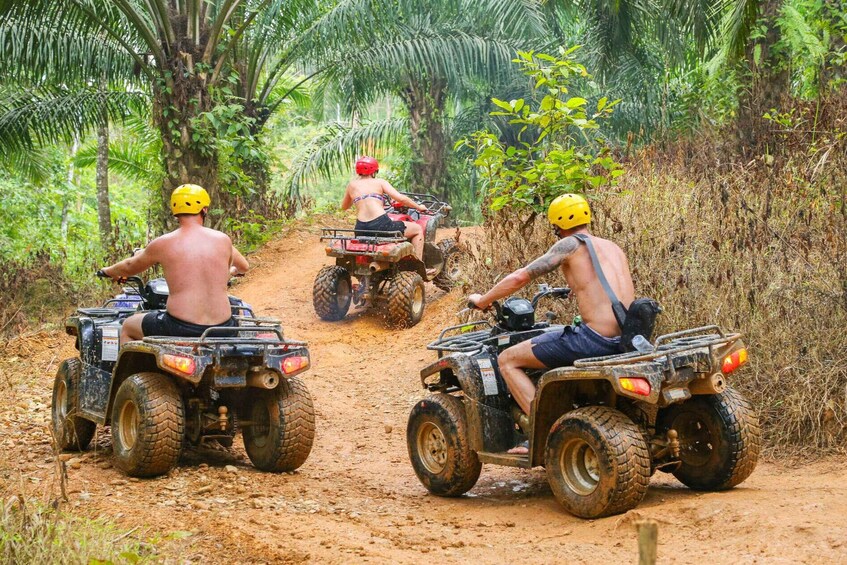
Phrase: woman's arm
(347,201)
(401,198)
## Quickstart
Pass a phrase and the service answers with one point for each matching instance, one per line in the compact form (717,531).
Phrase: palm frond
(54,114)
(334,150)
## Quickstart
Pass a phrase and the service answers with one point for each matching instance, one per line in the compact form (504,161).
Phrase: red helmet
(366,166)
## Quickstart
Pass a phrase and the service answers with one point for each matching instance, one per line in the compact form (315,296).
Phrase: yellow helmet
(189,199)
(568,211)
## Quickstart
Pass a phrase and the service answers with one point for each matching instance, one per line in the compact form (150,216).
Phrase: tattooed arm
(547,263)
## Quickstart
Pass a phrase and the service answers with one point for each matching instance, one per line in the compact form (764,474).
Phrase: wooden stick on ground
(648,539)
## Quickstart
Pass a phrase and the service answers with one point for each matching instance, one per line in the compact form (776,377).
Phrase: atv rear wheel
(148,425)
(439,447)
(70,431)
(719,439)
(451,271)
(332,293)
(406,299)
(282,426)
(597,462)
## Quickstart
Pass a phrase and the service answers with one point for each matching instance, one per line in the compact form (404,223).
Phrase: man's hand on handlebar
(104,275)
(474,302)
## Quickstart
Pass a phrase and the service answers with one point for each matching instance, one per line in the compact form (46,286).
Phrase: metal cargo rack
(667,345)
(219,337)
(371,239)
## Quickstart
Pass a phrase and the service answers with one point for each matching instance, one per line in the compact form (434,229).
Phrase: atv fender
(457,369)
(560,390)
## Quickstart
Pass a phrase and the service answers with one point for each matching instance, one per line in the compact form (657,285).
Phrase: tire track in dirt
(356,498)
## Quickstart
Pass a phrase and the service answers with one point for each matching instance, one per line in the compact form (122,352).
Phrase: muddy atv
(387,273)
(161,393)
(600,428)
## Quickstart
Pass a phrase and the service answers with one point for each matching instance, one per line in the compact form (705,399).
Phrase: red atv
(387,272)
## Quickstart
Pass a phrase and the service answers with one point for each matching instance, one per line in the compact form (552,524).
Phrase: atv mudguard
(490,426)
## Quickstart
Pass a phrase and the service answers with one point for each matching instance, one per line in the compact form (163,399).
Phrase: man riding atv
(598,334)
(197,263)
(368,192)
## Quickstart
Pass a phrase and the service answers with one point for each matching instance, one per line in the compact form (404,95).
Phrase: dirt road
(357,500)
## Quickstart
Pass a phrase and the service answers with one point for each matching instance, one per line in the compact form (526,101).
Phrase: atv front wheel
(451,271)
(282,426)
(406,299)
(331,293)
(597,462)
(439,448)
(70,431)
(719,439)
(148,425)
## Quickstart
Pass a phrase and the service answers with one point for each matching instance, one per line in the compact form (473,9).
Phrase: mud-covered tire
(332,293)
(70,431)
(148,425)
(597,462)
(720,439)
(451,271)
(406,299)
(439,446)
(282,426)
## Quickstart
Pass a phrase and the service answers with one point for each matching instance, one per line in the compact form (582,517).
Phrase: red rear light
(180,363)
(362,260)
(734,360)
(294,364)
(636,385)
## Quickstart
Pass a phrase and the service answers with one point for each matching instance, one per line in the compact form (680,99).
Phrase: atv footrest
(507,459)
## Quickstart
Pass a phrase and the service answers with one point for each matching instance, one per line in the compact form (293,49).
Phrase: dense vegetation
(709,136)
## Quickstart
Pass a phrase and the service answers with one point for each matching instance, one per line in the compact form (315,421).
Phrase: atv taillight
(734,360)
(179,363)
(294,364)
(636,385)
(362,260)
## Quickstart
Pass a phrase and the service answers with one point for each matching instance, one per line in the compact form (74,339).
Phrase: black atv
(387,271)
(600,428)
(161,393)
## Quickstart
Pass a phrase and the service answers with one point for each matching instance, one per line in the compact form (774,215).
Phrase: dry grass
(756,244)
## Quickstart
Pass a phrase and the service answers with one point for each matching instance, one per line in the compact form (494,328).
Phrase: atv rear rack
(231,335)
(666,345)
(371,240)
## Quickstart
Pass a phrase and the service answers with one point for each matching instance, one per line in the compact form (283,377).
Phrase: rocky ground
(356,499)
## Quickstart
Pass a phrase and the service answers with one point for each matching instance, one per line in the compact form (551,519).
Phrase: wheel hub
(580,467)
(432,447)
(61,407)
(128,424)
(417,300)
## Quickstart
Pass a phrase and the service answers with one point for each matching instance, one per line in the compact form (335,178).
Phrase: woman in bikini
(368,192)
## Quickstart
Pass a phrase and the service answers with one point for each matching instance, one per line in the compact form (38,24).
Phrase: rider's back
(196,263)
(367,207)
(594,305)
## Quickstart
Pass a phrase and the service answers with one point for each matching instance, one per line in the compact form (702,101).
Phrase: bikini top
(369,195)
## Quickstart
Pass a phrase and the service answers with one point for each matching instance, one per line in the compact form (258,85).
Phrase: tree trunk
(425,103)
(104,215)
(188,142)
(770,79)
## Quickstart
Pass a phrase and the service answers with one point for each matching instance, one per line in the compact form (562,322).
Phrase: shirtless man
(366,192)
(598,334)
(197,262)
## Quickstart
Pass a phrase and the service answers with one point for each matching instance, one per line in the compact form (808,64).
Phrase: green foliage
(555,151)
(32,533)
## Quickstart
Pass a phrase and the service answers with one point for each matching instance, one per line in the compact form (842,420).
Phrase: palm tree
(182,59)
(425,53)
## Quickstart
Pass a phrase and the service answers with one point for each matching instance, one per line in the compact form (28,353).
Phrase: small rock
(231,469)
(66,456)
(388,428)
(105,465)
(204,489)
(75,463)
(203,466)
(199,505)
(118,482)
(85,496)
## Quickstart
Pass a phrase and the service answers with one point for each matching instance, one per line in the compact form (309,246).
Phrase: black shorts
(382,224)
(562,348)
(163,324)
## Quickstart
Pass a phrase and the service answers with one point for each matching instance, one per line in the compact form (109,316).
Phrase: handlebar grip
(101,274)
(472,306)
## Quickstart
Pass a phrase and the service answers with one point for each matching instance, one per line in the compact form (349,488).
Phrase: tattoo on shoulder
(551,260)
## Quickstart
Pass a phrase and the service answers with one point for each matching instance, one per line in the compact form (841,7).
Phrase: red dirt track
(356,498)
